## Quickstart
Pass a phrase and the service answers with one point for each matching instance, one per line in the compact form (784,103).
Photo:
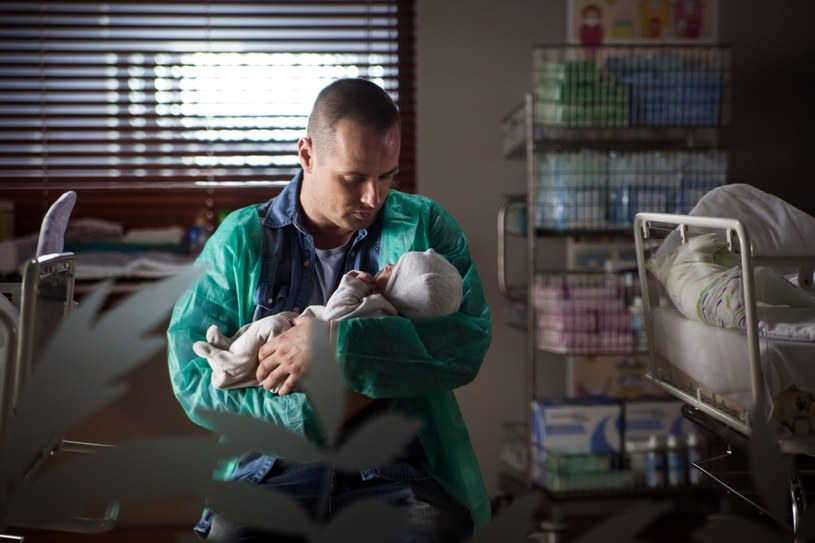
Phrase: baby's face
(382,278)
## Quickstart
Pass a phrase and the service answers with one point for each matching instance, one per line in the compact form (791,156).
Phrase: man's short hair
(360,100)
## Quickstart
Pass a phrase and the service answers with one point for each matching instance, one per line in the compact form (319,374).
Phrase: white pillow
(776,228)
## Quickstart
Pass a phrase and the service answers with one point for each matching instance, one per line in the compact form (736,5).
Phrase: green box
(572,464)
(611,115)
(572,72)
(585,481)
(564,114)
(563,93)
(610,92)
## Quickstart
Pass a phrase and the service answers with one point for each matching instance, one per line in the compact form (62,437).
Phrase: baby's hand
(205,350)
(367,278)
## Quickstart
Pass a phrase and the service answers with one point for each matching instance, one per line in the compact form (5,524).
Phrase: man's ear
(305,153)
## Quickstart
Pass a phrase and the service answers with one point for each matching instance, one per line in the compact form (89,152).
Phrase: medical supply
(661,417)
(636,451)
(577,425)
(199,232)
(582,313)
(694,449)
(574,471)
(654,463)
(675,462)
(638,325)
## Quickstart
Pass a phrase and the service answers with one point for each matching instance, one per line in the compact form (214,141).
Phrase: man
(338,214)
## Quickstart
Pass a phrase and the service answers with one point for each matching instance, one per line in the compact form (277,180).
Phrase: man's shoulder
(415,202)
(421,208)
(243,214)
(242,221)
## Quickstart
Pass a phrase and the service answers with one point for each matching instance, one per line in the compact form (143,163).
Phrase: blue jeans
(432,516)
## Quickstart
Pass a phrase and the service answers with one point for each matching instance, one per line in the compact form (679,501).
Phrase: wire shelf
(585,313)
(626,95)
(604,190)
(632,86)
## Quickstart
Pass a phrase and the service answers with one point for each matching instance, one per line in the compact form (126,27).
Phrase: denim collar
(284,209)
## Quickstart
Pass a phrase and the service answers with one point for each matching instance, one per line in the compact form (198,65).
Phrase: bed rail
(643,222)
(730,421)
(738,240)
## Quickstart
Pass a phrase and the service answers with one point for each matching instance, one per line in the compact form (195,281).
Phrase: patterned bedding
(703,280)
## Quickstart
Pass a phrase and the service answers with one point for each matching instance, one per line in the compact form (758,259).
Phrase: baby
(419,286)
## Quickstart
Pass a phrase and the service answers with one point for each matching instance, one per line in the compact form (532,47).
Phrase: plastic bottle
(694,455)
(654,464)
(675,462)
(638,325)
(636,451)
(198,233)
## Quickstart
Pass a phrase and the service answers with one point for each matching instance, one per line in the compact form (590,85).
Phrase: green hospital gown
(419,361)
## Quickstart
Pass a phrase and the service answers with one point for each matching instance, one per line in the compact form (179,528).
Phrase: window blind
(153,111)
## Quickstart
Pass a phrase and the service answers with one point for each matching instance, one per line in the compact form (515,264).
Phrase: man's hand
(285,359)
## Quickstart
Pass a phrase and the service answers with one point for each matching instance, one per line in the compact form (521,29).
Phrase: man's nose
(370,193)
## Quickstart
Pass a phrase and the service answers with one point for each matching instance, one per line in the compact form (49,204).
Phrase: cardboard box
(653,416)
(561,472)
(577,425)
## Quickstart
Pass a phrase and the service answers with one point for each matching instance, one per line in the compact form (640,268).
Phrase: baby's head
(424,285)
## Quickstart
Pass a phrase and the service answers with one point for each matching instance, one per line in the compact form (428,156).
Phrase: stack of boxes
(628,87)
(582,313)
(589,189)
(609,88)
(670,89)
(600,443)
(575,443)
(575,93)
(572,189)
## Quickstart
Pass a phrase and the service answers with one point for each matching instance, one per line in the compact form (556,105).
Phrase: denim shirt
(288,254)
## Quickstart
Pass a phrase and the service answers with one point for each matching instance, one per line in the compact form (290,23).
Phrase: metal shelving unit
(605,133)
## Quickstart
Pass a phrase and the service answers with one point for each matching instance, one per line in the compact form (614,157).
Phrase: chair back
(47,298)
(9,324)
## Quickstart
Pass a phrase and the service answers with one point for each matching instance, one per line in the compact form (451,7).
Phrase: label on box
(578,425)
(661,418)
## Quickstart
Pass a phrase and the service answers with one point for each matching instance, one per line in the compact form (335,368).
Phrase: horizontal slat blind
(151,110)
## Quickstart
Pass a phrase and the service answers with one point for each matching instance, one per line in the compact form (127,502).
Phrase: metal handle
(517,292)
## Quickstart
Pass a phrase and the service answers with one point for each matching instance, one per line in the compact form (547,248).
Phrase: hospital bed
(743,381)
(30,312)
(35,309)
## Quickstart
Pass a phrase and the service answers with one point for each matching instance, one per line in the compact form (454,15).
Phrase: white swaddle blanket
(703,279)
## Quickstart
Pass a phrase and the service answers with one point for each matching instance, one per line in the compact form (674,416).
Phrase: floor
(166,535)
(675,525)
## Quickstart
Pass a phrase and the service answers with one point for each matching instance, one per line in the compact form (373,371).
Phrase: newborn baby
(420,285)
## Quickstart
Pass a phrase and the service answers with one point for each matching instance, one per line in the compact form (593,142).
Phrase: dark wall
(771,139)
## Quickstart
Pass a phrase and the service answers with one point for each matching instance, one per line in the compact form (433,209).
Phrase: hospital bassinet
(739,382)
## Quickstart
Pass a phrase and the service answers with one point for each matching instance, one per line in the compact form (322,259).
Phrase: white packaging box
(658,417)
(577,425)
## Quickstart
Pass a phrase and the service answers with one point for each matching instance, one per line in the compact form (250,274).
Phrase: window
(154,111)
